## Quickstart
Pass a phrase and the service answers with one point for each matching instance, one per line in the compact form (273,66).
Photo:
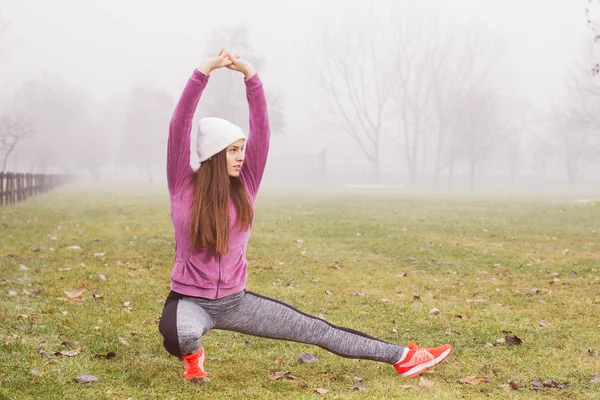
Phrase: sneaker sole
(199,380)
(419,369)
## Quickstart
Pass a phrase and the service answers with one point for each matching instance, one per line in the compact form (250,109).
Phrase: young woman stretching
(212,209)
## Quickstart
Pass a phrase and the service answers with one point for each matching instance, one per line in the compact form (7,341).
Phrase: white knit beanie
(214,135)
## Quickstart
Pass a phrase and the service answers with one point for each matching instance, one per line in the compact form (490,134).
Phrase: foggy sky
(108,46)
(111,44)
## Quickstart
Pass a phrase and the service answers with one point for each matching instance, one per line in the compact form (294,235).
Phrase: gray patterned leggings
(185,319)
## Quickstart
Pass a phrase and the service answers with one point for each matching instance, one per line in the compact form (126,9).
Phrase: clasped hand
(227,60)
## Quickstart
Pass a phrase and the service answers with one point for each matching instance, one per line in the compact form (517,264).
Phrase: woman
(212,209)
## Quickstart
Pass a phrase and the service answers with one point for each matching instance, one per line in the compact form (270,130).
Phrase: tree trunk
(472,165)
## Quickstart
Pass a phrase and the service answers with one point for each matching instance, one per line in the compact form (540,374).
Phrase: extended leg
(261,316)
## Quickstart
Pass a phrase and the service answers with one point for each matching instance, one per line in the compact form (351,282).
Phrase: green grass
(490,264)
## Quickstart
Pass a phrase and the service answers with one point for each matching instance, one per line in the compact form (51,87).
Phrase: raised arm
(180,127)
(257,144)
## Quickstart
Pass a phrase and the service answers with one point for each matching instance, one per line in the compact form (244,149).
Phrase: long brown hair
(213,187)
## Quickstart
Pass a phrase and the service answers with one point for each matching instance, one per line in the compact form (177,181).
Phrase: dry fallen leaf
(124,341)
(471,380)
(73,248)
(70,353)
(554,384)
(85,379)
(75,293)
(595,378)
(358,383)
(406,387)
(107,356)
(550,383)
(425,383)
(513,385)
(278,375)
(512,340)
(544,323)
(322,391)
(434,311)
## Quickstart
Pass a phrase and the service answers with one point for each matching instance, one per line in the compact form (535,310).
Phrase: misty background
(446,94)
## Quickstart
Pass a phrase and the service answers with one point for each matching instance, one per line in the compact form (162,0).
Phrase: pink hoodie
(203,272)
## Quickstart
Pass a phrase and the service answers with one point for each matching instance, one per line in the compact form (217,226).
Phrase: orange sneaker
(193,366)
(419,359)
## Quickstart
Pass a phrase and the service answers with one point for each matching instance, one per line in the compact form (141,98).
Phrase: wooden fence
(18,187)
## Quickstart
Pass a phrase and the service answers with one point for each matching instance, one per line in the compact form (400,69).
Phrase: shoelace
(422,355)
(191,364)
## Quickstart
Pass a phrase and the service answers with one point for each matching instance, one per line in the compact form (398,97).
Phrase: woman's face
(235,157)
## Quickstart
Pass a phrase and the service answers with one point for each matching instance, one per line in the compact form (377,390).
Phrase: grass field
(492,265)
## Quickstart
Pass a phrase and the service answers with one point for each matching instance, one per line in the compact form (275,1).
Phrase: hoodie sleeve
(257,146)
(180,129)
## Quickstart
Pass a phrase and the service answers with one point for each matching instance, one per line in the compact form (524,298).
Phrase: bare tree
(576,123)
(471,112)
(574,136)
(592,12)
(12,131)
(518,114)
(143,130)
(446,80)
(61,113)
(480,127)
(356,76)
(419,60)
(13,128)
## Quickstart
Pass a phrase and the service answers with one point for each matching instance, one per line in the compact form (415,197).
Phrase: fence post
(18,187)
(2,191)
(11,193)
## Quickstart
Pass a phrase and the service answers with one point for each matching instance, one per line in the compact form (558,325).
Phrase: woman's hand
(212,63)
(238,64)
